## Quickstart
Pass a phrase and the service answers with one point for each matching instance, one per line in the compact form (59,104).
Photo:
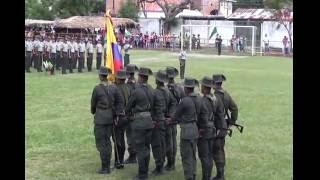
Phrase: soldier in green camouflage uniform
(219,142)
(164,106)
(131,82)
(106,104)
(187,114)
(118,136)
(171,127)
(214,116)
(141,105)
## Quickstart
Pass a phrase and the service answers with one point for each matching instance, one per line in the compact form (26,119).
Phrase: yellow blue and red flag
(113,55)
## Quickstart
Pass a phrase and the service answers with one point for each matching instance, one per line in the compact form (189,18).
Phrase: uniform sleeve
(157,105)
(118,101)
(220,122)
(179,111)
(233,108)
(171,105)
(93,101)
(203,115)
(131,101)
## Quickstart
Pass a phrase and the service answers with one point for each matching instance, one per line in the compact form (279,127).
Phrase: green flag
(213,32)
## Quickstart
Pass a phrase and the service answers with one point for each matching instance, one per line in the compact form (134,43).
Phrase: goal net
(236,40)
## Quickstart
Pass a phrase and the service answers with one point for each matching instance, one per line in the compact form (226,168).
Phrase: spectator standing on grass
(182,61)
(219,43)
(285,45)
(266,43)
(193,41)
(198,42)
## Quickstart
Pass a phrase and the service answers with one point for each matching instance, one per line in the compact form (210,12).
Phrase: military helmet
(206,81)
(190,82)
(172,72)
(161,76)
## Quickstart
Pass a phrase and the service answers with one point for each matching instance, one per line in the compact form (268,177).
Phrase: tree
(283,9)
(36,9)
(170,10)
(129,10)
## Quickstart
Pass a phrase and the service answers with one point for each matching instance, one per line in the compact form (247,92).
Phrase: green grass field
(59,127)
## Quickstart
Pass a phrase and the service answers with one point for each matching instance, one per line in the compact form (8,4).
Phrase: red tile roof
(154,6)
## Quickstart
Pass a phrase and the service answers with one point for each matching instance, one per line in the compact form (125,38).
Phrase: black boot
(158,171)
(104,169)
(131,159)
(169,166)
(220,174)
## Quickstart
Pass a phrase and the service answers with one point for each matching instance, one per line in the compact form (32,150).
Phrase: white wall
(275,36)
(150,25)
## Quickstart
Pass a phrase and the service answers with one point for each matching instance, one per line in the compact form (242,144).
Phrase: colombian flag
(113,56)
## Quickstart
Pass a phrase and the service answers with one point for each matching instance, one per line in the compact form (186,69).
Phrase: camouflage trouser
(118,139)
(142,138)
(182,67)
(218,151)
(205,155)
(188,150)
(102,135)
(158,145)
(171,144)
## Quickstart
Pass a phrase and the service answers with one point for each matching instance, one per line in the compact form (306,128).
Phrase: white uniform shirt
(59,46)
(75,46)
(99,48)
(71,47)
(40,46)
(53,47)
(183,55)
(29,46)
(65,47)
(90,48)
(46,46)
(82,47)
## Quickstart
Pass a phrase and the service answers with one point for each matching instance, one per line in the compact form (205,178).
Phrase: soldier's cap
(190,82)
(145,71)
(206,81)
(218,78)
(131,68)
(104,70)
(172,72)
(161,76)
(121,74)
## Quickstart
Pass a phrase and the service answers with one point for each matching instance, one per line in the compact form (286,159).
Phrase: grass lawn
(59,127)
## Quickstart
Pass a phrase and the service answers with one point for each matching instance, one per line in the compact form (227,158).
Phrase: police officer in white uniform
(65,56)
(99,48)
(29,48)
(40,48)
(59,53)
(82,49)
(53,52)
(89,55)
(71,55)
(76,53)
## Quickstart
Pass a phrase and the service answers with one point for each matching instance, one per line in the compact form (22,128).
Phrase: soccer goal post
(236,40)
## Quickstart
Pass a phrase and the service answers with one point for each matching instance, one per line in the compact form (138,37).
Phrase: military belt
(144,113)
(186,122)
